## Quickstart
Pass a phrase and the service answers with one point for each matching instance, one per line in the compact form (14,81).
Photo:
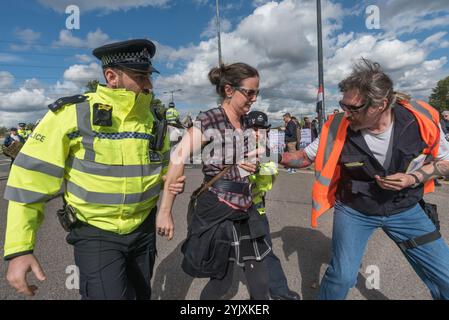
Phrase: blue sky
(41,60)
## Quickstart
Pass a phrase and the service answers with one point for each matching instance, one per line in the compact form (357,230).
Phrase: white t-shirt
(443,153)
(381,145)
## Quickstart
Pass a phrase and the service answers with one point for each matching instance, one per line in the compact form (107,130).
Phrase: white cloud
(6,79)
(422,78)
(23,100)
(82,73)
(27,35)
(410,16)
(6,57)
(434,39)
(84,58)
(258,3)
(33,83)
(211,29)
(29,102)
(279,39)
(93,39)
(107,5)
(284,53)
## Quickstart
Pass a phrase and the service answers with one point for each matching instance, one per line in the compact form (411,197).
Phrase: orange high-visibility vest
(332,139)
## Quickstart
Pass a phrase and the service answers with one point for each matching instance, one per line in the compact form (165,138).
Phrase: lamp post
(220,59)
(171,92)
(320,99)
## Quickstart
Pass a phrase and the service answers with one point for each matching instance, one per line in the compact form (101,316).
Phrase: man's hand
(395,182)
(17,270)
(177,187)
(164,224)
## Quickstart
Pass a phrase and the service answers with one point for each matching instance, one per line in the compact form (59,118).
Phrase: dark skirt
(246,248)
(218,233)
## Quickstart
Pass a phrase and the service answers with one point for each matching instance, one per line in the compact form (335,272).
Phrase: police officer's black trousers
(113,266)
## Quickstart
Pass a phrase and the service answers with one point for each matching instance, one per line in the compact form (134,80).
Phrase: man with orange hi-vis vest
(373,164)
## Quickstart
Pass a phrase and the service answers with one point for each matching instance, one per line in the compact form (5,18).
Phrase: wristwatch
(417,182)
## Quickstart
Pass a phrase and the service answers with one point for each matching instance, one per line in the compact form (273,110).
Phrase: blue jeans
(351,232)
(277,280)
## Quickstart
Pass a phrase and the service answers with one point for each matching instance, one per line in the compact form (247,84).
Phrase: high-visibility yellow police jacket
(172,115)
(23,133)
(111,176)
(262,183)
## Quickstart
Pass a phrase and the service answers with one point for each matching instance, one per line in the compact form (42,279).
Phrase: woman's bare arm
(189,144)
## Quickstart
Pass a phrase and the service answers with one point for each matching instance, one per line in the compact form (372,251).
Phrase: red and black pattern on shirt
(216,119)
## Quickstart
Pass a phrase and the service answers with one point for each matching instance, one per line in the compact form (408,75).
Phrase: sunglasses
(249,93)
(353,109)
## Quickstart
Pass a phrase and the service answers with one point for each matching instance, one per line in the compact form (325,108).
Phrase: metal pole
(220,59)
(320,101)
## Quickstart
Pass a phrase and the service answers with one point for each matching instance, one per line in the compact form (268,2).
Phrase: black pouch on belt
(67,217)
(431,210)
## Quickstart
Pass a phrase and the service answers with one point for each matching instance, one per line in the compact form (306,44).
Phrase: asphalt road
(304,252)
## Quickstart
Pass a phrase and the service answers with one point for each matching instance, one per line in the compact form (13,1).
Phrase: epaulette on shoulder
(61,102)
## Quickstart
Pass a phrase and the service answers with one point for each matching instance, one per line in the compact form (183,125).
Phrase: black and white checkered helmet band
(126,57)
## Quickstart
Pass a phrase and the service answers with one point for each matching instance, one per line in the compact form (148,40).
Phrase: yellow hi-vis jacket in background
(110,175)
(172,115)
(262,183)
(23,133)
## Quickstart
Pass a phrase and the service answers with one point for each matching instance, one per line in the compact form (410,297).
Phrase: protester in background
(13,138)
(298,132)
(314,129)
(291,137)
(445,123)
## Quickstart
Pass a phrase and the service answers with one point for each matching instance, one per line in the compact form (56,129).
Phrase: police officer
(22,131)
(172,115)
(103,148)
(370,166)
(262,182)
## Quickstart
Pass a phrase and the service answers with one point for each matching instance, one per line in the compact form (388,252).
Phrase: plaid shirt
(216,119)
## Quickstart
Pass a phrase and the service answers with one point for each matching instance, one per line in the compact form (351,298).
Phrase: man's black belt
(231,186)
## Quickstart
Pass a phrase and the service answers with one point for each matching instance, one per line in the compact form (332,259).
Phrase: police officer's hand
(178,187)
(164,224)
(17,270)
(395,182)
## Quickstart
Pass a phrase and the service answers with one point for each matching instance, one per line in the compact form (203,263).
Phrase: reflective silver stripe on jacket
(106,170)
(421,109)
(85,129)
(24,196)
(34,164)
(112,198)
(315,205)
(330,141)
(332,136)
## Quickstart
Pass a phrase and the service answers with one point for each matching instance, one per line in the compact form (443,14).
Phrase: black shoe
(289,295)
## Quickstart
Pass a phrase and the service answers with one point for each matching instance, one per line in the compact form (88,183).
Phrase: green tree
(439,99)
(92,86)
(3,131)
(159,107)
